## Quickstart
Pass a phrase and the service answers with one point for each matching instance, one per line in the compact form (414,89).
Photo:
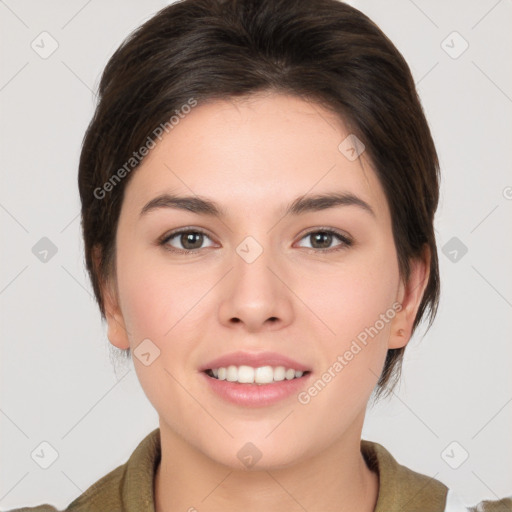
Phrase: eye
(190,240)
(323,238)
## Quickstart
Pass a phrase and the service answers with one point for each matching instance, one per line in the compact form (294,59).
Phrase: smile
(261,375)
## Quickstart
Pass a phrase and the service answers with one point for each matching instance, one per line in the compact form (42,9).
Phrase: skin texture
(254,157)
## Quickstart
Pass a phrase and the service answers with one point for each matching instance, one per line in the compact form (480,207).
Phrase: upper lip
(255,359)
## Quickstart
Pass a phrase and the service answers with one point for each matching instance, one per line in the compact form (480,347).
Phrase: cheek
(157,298)
(159,303)
(358,310)
(355,306)
(352,297)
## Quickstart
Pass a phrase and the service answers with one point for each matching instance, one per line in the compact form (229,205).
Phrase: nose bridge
(252,276)
(256,295)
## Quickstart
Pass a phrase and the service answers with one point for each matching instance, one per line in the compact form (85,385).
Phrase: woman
(258,190)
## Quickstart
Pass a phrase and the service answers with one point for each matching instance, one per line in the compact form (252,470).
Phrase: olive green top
(129,487)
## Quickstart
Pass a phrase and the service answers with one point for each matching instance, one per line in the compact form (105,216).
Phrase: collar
(401,488)
(130,487)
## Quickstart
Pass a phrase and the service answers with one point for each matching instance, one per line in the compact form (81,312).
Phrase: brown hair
(320,50)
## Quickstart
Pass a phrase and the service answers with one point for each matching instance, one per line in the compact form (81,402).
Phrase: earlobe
(409,296)
(116,329)
(399,339)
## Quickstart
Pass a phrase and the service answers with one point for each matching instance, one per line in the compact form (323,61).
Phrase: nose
(255,294)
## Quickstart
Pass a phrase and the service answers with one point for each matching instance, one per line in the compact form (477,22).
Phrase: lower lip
(256,395)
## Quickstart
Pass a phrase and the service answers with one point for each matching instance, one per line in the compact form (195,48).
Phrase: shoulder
(131,482)
(39,508)
(503,505)
(100,496)
(455,504)
(401,488)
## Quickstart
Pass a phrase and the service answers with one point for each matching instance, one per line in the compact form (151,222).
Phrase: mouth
(255,379)
(261,375)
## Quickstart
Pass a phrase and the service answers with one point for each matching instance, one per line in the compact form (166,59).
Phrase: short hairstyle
(323,51)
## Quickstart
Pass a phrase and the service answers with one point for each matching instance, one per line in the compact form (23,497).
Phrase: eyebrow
(302,204)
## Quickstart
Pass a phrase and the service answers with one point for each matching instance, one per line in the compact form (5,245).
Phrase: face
(259,283)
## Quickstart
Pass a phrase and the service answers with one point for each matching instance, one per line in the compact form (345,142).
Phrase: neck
(337,479)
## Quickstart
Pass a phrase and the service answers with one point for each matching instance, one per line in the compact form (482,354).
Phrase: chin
(252,453)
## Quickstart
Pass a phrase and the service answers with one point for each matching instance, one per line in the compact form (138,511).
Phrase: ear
(116,328)
(409,296)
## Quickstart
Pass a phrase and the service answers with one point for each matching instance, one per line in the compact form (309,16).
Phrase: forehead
(259,151)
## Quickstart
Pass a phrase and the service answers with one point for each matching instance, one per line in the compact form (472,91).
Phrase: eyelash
(346,242)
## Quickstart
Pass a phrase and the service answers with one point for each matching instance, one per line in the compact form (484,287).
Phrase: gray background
(58,383)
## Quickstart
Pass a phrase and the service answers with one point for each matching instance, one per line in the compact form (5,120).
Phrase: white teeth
(232,373)
(279,373)
(264,375)
(246,374)
(261,375)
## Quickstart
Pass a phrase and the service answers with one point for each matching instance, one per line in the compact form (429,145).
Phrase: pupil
(189,237)
(327,238)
